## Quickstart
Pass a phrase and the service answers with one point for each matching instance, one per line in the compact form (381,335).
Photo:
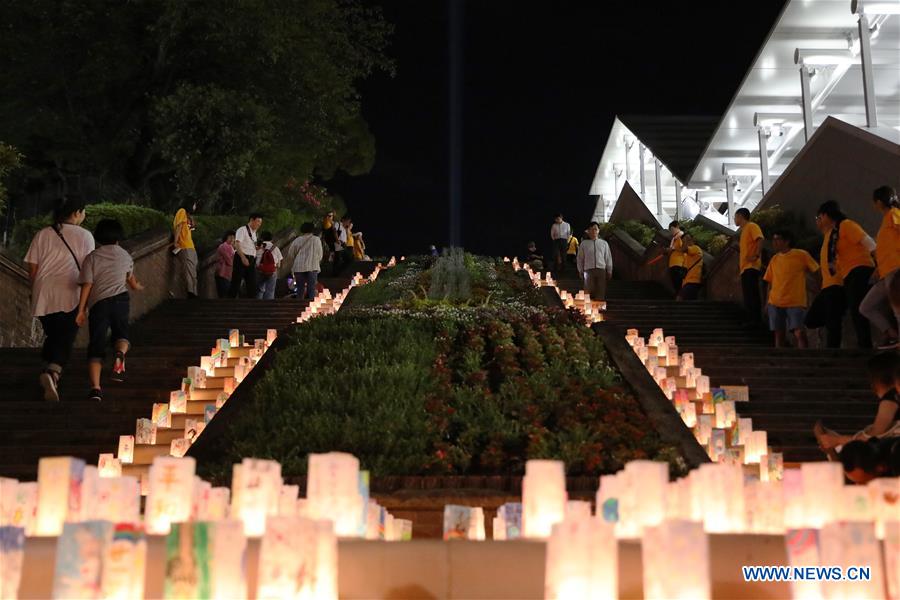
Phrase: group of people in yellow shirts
(849,260)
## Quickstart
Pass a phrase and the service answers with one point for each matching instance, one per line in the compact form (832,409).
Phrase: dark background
(542,84)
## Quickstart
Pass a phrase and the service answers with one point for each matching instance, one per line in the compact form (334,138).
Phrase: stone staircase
(166,341)
(789,388)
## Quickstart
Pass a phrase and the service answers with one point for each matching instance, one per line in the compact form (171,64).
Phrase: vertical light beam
(456,120)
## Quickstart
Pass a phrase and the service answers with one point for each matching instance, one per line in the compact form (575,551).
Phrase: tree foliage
(202,99)
(9,160)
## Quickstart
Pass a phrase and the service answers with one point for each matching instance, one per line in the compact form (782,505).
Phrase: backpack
(267,262)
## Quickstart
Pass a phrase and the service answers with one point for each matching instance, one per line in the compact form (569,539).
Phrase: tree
(197,98)
(10,159)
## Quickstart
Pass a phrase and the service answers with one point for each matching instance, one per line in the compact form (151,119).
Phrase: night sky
(542,84)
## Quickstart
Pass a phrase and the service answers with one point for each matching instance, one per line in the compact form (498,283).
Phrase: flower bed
(416,385)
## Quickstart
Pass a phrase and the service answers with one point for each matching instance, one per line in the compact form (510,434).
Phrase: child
(572,250)
(268,257)
(106,275)
(884,377)
(786,276)
(224,264)
(676,252)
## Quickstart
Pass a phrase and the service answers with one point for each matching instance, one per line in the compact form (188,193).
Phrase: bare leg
(94,368)
(802,341)
(779,338)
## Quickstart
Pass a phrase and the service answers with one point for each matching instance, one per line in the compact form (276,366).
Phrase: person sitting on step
(786,276)
(106,276)
(692,257)
(884,377)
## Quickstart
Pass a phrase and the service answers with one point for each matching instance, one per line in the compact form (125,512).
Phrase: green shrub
(709,239)
(641,233)
(450,279)
(776,218)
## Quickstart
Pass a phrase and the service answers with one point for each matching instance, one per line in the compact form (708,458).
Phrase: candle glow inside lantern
(109,466)
(287,558)
(543,497)
(255,491)
(170,493)
(59,493)
(719,490)
(333,492)
(119,499)
(582,560)
(822,485)
(228,547)
(642,503)
(124,563)
(177,402)
(675,561)
(851,544)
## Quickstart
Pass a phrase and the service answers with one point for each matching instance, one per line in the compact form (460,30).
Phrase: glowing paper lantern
(578,509)
(161,415)
(792,499)
(607,498)
(80,549)
(851,544)
(170,491)
(12,558)
(177,402)
(675,561)
(543,497)
(7,499)
(333,491)
(207,363)
(24,507)
(892,557)
(59,493)
(757,447)
(678,499)
(119,499)
(255,490)
(287,500)
(124,563)
(403,530)
(763,508)
(476,525)
(885,495)
(227,549)
(109,466)
(822,492)
(702,384)
(642,501)
(126,449)
(582,560)
(719,489)
(217,506)
(287,558)
(803,551)
(179,447)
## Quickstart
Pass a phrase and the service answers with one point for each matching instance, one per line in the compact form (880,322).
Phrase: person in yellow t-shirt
(876,306)
(750,261)
(676,256)
(572,250)
(184,250)
(786,276)
(828,308)
(848,255)
(692,257)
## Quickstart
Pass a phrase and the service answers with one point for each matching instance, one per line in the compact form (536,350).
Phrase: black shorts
(107,314)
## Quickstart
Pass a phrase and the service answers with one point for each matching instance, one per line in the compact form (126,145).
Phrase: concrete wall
(630,207)
(154,265)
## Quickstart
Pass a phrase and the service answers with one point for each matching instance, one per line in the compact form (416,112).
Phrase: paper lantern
(170,493)
(678,499)
(686,362)
(822,492)
(375,520)
(675,561)
(704,428)
(719,488)
(177,402)
(581,560)
(476,526)
(287,558)
(119,499)
(287,500)
(24,507)
(124,563)
(885,495)
(333,492)
(690,415)
(511,516)
(543,497)
(12,558)
(126,449)
(326,574)
(891,543)
(7,499)
(702,384)
(578,509)
(179,447)
(59,493)
(403,530)
(457,522)
(255,492)
(109,466)
(851,544)
(802,547)
(79,558)
(642,500)
(228,547)
(792,499)
(757,447)
(217,506)
(161,416)
(855,504)
(763,508)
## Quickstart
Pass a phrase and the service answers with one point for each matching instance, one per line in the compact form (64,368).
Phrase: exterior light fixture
(822,57)
(859,7)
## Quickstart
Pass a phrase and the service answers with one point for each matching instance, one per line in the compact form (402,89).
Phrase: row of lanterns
(581,301)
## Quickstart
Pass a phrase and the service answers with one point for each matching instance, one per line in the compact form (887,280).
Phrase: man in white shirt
(594,263)
(560,232)
(244,266)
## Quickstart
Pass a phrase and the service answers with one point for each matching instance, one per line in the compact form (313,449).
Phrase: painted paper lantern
(287,558)
(227,558)
(124,563)
(109,466)
(719,489)
(642,501)
(823,484)
(255,491)
(59,493)
(333,492)
(581,560)
(543,497)
(170,490)
(675,561)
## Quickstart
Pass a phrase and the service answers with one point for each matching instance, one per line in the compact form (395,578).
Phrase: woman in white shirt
(54,260)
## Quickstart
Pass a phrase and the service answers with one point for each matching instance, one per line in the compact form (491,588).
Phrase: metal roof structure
(838,58)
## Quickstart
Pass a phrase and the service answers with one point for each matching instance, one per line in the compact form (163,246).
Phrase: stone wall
(154,266)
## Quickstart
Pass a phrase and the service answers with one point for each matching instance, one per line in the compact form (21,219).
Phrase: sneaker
(890,344)
(118,372)
(96,395)
(48,382)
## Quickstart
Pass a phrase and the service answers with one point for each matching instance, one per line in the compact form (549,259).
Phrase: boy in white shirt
(268,259)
